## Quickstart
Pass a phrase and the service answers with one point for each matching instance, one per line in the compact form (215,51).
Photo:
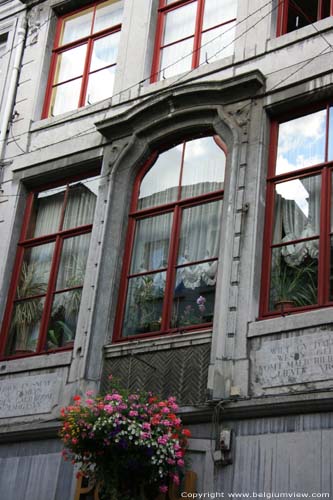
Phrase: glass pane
(199,233)
(218,43)
(204,167)
(160,184)
(215,14)
(151,244)
(24,327)
(73,261)
(70,64)
(301,142)
(35,271)
(108,14)
(46,213)
(77,26)
(144,304)
(306,14)
(194,297)
(65,97)
(100,85)
(64,314)
(325,9)
(105,51)
(176,59)
(81,202)
(297,209)
(180,23)
(294,283)
(330,135)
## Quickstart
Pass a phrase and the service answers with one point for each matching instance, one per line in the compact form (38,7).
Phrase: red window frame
(24,243)
(59,49)
(325,171)
(283,11)
(165,9)
(136,214)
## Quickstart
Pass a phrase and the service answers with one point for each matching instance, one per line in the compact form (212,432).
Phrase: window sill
(291,322)
(158,343)
(39,362)
(300,34)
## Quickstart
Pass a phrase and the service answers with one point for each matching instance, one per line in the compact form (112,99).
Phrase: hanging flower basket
(132,445)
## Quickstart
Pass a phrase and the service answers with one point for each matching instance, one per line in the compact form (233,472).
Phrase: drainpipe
(15,72)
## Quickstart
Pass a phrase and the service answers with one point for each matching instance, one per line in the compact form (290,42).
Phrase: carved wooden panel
(180,372)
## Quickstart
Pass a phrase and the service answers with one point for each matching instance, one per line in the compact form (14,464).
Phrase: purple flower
(201,300)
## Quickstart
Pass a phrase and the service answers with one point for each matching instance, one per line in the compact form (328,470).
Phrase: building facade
(165,216)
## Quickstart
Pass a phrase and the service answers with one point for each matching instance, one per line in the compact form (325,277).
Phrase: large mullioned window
(170,267)
(45,294)
(298,269)
(84,57)
(294,14)
(191,31)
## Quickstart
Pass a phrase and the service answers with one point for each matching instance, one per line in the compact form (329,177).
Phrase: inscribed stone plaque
(294,360)
(28,395)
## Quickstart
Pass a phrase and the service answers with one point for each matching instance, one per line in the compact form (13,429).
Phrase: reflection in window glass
(180,23)
(160,184)
(100,85)
(76,26)
(35,271)
(217,43)
(46,212)
(24,327)
(108,14)
(73,262)
(301,142)
(297,209)
(214,14)
(65,97)
(204,167)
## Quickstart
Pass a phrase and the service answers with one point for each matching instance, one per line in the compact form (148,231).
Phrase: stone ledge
(157,344)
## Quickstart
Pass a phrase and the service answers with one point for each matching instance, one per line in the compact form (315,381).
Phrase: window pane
(199,234)
(64,314)
(65,97)
(306,14)
(100,85)
(218,43)
(301,142)
(204,167)
(160,184)
(180,23)
(194,296)
(144,304)
(70,64)
(297,209)
(294,283)
(24,327)
(176,59)
(105,51)
(46,213)
(151,244)
(35,271)
(73,261)
(108,14)
(77,26)
(330,135)
(217,12)
(81,202)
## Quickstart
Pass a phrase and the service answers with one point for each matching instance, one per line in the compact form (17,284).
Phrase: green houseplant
(294,286)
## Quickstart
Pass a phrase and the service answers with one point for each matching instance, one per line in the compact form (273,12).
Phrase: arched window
(170,266)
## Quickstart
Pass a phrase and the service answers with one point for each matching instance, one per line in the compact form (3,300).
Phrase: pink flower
(163,488)
(89,402)
(75,441)
(133,413)
(146,426)
(109,408)
(180,462)
(165,410)
(89,393)
(175,478)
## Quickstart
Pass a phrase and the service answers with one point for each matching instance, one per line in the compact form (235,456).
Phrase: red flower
(186,432)
(77,398)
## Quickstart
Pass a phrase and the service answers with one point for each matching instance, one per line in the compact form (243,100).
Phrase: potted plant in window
(294,286)
(131,444)
(28,312)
